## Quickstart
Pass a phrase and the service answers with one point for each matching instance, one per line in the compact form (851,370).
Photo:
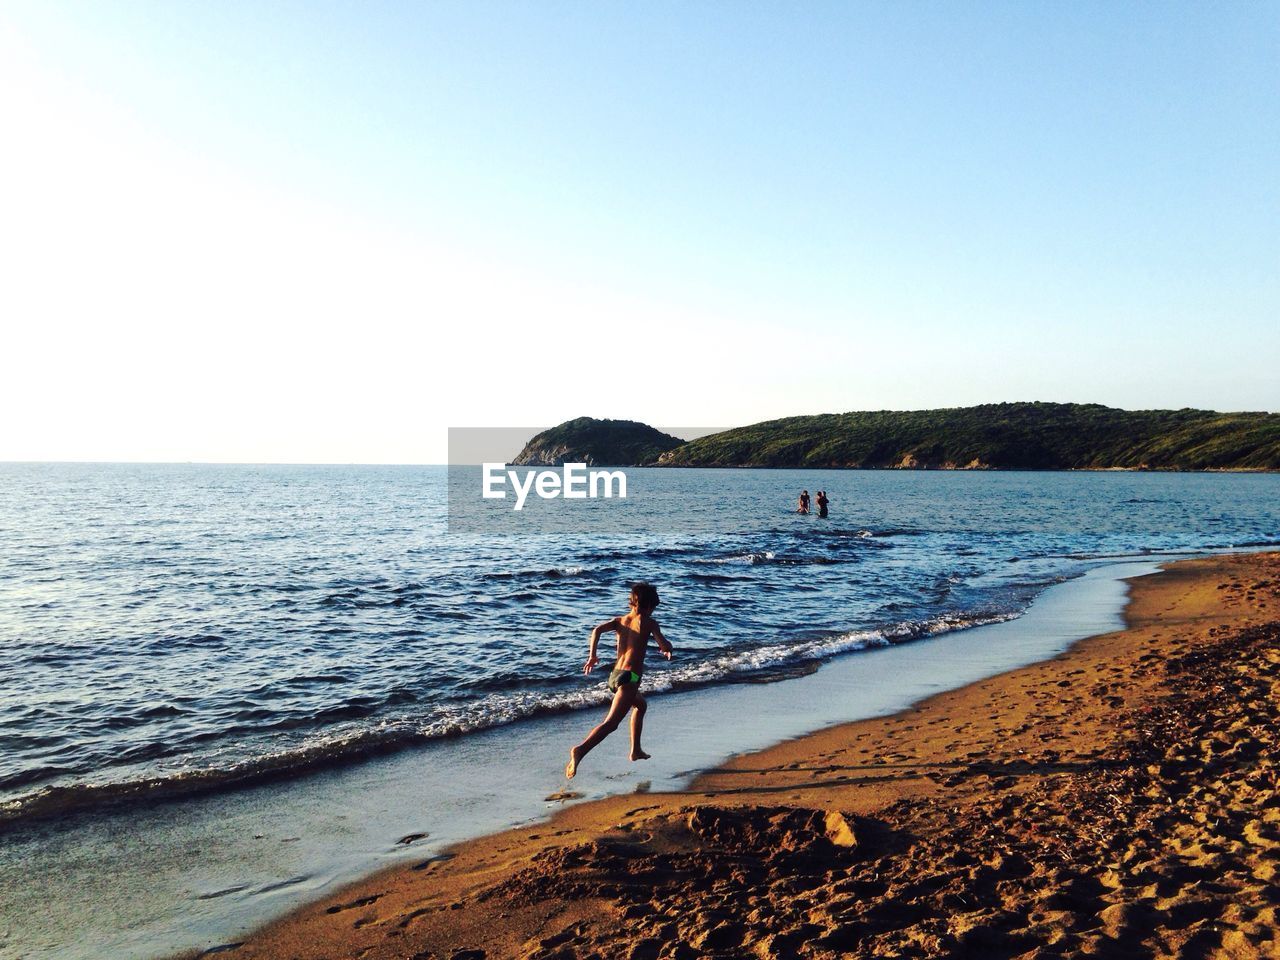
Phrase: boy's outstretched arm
(663,644)
(592,659)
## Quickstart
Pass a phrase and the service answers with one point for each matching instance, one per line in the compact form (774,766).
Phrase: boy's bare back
(634,631)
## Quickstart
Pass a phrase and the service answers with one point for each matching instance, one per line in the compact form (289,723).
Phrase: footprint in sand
(355,904)
(432,861)
(560,796)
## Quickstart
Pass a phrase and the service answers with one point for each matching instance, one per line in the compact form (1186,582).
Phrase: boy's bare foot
(571,767)
(639,755)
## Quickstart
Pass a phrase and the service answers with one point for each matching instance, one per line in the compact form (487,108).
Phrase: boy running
(633,630)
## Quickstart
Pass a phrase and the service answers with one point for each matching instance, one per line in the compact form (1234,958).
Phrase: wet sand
(1118,800)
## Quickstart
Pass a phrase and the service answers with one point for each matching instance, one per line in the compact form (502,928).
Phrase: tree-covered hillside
(1037,436)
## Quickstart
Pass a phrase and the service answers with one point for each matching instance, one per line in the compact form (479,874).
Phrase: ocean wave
(632,554)
(60,799)
(884,533)
(544,573)
(753,557)
(771,662)
(864,533)
(763,557)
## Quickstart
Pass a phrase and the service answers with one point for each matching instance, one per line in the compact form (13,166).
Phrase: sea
(170,630)
(179,628)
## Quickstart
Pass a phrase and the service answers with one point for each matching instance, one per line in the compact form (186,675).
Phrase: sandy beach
(1118,800)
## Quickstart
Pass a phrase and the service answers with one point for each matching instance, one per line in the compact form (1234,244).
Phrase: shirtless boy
(634,630)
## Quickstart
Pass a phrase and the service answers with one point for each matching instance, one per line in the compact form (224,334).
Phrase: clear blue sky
(690,214)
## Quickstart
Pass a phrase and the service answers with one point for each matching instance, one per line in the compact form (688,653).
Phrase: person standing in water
(822,503)
(804,502)
(634,630)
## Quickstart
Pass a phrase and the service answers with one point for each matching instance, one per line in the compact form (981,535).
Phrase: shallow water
(179,628)
(198,873)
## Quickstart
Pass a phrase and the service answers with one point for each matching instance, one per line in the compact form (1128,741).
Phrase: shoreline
(742,844)
(206,871)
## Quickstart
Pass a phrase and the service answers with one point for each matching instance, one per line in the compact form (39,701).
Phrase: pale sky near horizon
(325,232)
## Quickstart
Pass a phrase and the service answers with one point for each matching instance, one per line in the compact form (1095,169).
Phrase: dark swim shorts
(621,678)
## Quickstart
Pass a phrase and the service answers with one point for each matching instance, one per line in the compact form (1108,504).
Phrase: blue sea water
(170,628)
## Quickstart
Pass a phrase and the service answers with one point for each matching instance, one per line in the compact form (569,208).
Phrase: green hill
(613,443)
(1027,436)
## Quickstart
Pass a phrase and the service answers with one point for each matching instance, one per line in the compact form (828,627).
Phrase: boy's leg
(637,726)
(622,701)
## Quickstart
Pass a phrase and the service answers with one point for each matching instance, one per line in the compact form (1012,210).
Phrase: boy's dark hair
(646,595)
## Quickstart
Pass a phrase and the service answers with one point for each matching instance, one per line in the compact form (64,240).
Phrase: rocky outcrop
(609,443)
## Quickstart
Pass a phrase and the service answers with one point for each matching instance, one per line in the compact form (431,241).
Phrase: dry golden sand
(1119,800)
